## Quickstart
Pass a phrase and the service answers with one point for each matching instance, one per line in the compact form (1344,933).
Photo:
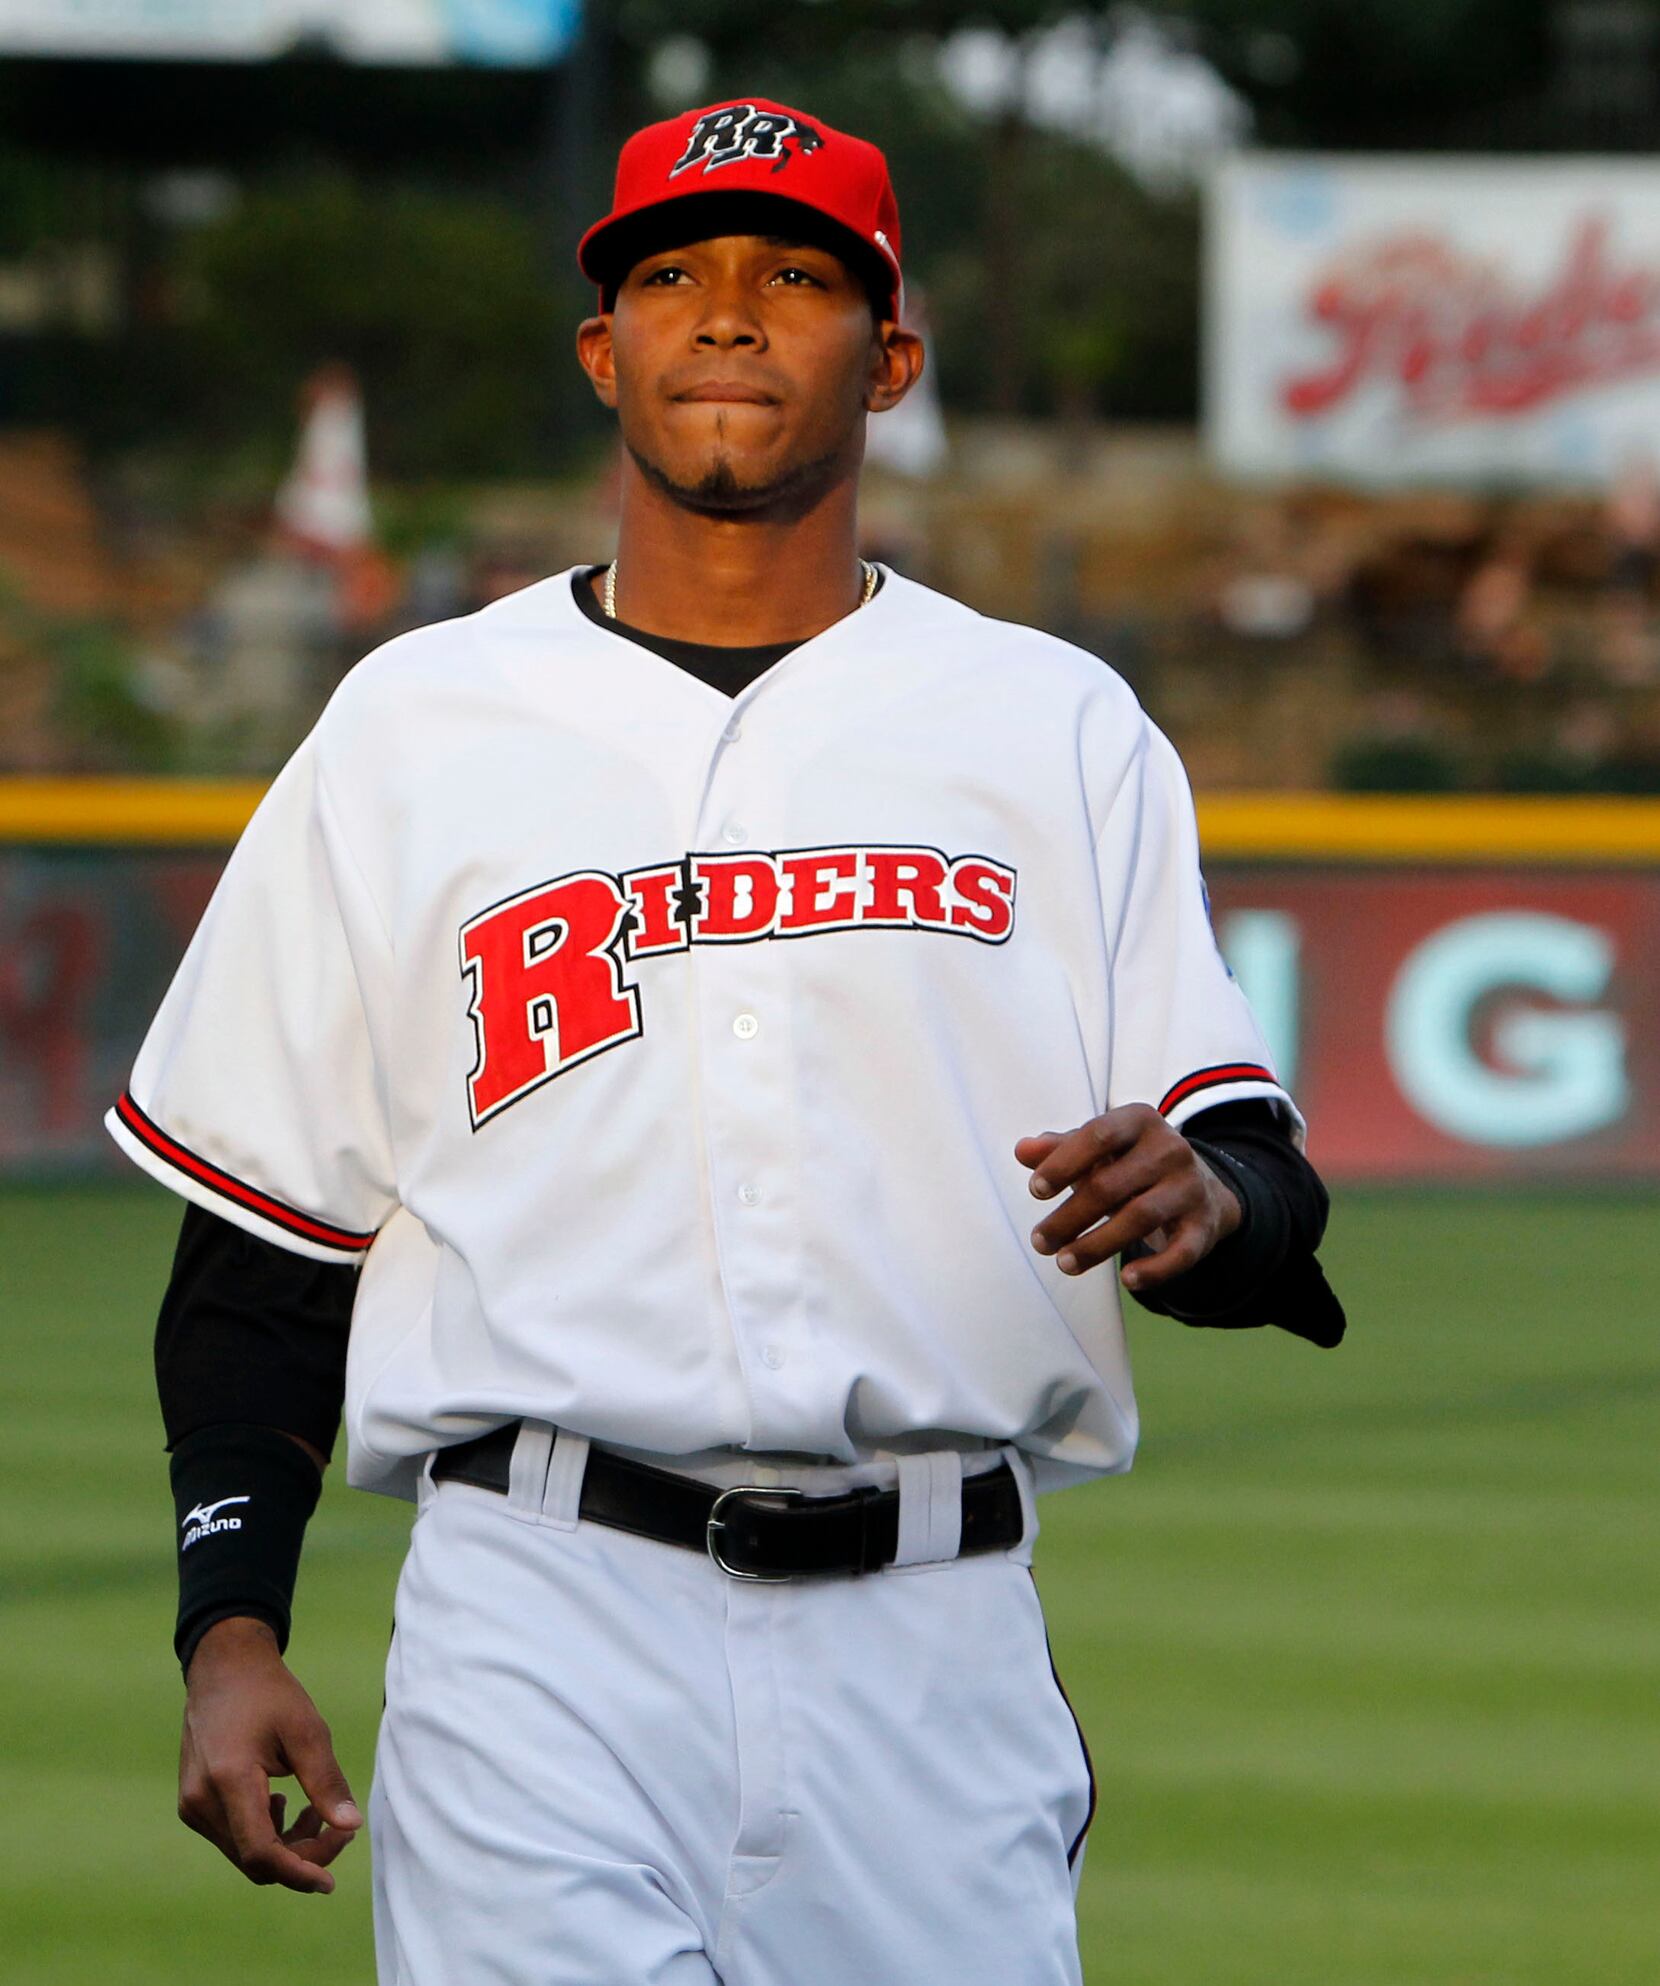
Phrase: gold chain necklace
(610,589)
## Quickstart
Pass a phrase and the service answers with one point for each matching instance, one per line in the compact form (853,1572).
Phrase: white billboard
(502,33)
(1417,320)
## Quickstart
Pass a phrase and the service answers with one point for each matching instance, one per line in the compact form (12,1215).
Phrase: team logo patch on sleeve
(545,967)
(741,131)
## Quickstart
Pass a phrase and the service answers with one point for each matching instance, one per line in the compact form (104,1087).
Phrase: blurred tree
(1114,283)
(443,304)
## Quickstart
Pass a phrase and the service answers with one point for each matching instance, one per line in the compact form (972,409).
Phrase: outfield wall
(1458,989)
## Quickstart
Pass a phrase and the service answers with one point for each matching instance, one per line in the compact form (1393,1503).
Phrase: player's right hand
(247,1721)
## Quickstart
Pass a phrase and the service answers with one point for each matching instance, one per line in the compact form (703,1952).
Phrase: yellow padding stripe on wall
(1364,827)
(1266,827)
(192,813)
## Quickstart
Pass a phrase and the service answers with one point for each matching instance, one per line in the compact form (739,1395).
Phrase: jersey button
(733,732)
(734,832)
(746,1027)
(772,1357)
(748,1194)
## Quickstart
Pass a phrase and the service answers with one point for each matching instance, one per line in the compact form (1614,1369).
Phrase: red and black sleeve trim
(278,1212)
(1213,1078)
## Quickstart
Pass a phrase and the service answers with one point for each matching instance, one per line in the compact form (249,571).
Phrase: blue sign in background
(510,33)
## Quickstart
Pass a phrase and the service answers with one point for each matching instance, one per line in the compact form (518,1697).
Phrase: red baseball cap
(766,152)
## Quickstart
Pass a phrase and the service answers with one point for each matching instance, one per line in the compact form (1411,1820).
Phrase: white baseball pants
(604,1762)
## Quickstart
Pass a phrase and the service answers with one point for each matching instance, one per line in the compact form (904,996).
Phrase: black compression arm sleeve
(1266,1271)
(242,1497)
(251,1333)
(250,1349)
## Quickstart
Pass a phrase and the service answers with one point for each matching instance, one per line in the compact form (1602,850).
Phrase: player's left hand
(1133,1179)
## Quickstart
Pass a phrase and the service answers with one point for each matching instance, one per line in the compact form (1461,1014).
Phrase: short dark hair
(701,216)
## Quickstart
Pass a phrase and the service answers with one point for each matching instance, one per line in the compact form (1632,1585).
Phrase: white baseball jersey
(666,1052)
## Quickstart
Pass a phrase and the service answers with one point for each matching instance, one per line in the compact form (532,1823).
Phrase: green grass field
(1367,1648)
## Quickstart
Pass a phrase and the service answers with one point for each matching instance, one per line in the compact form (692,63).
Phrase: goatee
(720,492)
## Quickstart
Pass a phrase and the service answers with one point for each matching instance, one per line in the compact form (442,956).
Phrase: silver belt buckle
(717,1524)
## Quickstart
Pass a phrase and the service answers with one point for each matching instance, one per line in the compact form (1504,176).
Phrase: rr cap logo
(740,131)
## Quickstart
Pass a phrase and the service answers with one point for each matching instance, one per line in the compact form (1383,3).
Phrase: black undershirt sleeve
(1266,1271)
(251,1333)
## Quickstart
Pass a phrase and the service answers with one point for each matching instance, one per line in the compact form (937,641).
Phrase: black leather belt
(749,1531)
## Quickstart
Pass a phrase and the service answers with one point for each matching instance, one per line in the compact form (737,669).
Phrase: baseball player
(637,1009)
